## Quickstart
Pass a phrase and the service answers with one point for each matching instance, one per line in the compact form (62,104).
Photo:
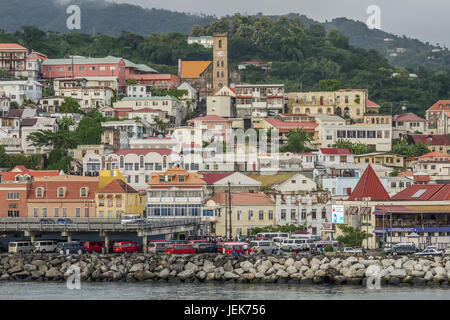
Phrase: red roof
(422,178)
(22,170)
(369,186)
(418,192)
(143,151)
(442,194)
(11,47)
(405,174)
(211,178)
(158,76)
(370,103)
(280,124)
(432,139)
(437,106)
(340,151)
(435,154)
(242,198)
(72,189)
(117,186)
(147,110)
(408,117)
(209,118)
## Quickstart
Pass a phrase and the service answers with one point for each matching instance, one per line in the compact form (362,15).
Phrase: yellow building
(117,198)
(248,210)
(383,158)
(107,176)
(351,103)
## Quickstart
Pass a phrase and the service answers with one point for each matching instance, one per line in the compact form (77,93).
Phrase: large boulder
(163,274)
(289,262)
(282,274)
(191,267)
(185,274)
(141,275)
(246,265)
(398,273)
(230,275)
(53,273)
(291,270)
(136,267)
(309,274)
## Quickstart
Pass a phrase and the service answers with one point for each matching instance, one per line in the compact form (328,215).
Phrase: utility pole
(226,216)
(229,207)
(390,222)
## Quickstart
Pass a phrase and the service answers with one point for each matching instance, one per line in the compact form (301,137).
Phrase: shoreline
(219,268)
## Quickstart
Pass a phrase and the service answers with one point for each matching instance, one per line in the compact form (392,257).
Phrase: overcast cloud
(426,20)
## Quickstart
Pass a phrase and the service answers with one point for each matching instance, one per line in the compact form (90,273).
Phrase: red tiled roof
(405,174)
(11,47)
(146,110)
(434,154)
(209,118)
(280,124)
(418,192)
(437,105)
(442,194)
(10,176)
(143,151)
(117,186)
(408,117)
(369,186)
(212,177)
(242,198)
(341,151)
(422,178)
(370,103)
(72,190)
(432,139)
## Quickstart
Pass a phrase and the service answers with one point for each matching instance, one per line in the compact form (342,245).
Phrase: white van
(45,246)
(265,246)
(293,244)
(20,247)
(132,218)
(157,246)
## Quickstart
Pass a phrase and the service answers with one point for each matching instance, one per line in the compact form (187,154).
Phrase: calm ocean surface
(202,291)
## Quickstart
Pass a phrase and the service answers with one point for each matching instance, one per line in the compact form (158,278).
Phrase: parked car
(201,247)
(64,221)
(263,246)
(94,246)
(234,247)
(292,245)
(179,249)
(126,246)
(46,221)
(45,246)
(132,218)
(447,251)
(350,250)
(70,247)
(20,247)
(404,249)
(156,246)
(429,252)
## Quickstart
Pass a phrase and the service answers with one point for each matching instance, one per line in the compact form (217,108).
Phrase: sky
(426,20)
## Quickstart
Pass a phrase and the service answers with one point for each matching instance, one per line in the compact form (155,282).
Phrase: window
(270,215)
(324,213)
(83,192)
(12,196)
(293,214)
(64,212)
(250,215)
(314,230)
(283,214)
(56,212)
(136,179)
(314,214)
(303,214)
(60,192)
(239,215)
(86,212)
(39,192)
(35,212)
(121,162)
(261,215)
(141,161)
(44,212)
(181,178)
(13,213)
(77,212)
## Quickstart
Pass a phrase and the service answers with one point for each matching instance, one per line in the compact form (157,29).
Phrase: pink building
(158,81)
(213,125)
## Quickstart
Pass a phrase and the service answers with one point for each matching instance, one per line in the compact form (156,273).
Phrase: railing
(408,224)
(93,224)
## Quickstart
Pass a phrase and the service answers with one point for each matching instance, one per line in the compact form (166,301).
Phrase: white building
(259,100)
(20,90)
(130,129)
(377,136)
(169,104)
(136,165)
(5,105)
(154,142)
(299,183)
(189,99)
(138,90)
(30,125)
(408,123)
(310,211)
(88,97)
(333,156)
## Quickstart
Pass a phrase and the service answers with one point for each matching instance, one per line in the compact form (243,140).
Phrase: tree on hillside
(70,105)
(355,148)
(329,85)
(65,123)
(297,141)
(409,150)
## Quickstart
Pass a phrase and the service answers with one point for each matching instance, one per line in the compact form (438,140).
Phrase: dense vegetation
(301,58)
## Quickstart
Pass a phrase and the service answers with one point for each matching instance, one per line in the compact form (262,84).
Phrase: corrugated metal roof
(369,186)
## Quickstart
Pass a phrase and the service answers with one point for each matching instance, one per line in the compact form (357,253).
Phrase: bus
(320,245)
(271,235)
(308,237)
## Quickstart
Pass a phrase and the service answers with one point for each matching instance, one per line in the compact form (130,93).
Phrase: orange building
(62,197)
